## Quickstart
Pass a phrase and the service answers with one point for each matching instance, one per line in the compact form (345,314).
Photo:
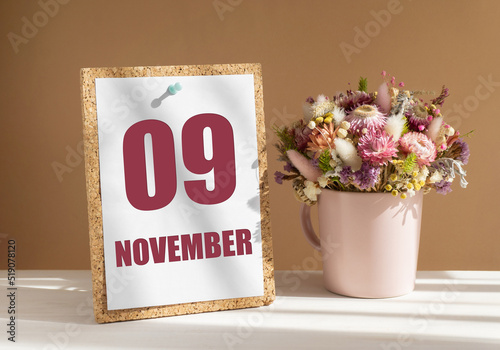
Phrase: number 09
(222,161)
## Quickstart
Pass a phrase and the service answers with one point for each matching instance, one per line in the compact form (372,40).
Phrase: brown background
(424,43)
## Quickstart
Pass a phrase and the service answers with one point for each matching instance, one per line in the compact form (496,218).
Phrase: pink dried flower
(366,116)
(377,147)
(303,165)
(421,145)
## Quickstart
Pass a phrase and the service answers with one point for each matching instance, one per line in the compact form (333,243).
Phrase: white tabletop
(447,310)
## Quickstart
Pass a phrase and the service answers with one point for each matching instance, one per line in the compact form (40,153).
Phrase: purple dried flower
(367,176)
(345,175)
(464,153)
(443,187)
(310,99)
(278,177)
(288,167)
(315,162)
(301,135)
(438,101)
(353,100)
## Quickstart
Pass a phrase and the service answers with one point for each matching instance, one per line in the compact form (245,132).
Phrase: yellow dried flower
(409,186)
(403,195)
(394,193)
(319,120)
(388,187)
(415,174)
(417,187)
(393,177)
(328,120)
(421,183)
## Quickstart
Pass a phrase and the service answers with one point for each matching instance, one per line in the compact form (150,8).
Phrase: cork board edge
(94,204)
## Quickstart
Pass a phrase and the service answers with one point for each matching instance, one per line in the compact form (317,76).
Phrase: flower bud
(345,125)
(342,133)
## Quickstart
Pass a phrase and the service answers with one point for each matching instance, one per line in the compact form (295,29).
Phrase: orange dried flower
(321,139)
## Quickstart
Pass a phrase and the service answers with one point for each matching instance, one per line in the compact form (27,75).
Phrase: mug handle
(307,228)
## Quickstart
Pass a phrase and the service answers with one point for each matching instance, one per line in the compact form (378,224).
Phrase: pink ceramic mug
(368,241)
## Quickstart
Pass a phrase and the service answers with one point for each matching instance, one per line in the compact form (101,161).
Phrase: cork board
(151,96)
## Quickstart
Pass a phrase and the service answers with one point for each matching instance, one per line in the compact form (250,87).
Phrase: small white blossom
(323,181)
(311,125)
(435,177)
(423,173)
(311,190)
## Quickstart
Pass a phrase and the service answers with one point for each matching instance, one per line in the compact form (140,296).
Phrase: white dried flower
(422,174)
(323,181)
(348,153)
(435,177)
(338,115)
(321,98)
(434,128)
(311,125)
(311,190)
(395,125)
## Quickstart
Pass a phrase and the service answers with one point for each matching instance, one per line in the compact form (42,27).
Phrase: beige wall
(423,43)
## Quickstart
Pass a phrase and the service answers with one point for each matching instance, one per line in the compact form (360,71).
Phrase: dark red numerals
(222,160)
(134,158)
